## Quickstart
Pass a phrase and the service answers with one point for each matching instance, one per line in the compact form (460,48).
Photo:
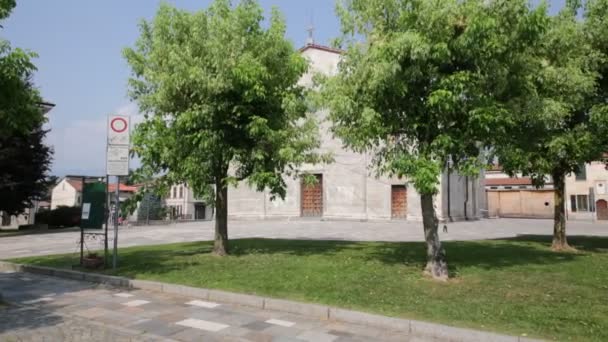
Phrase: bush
(60,217)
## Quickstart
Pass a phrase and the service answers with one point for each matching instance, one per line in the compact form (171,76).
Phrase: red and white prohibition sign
(118,130)
(119,124)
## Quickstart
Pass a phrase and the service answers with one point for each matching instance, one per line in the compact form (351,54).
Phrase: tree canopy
(219,92)
(564,123)
(424,82)
(24,159)
(24,164)
(20,101)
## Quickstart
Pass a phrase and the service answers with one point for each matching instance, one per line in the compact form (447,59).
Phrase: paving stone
(90,313)
(315,336)
(235,331)
(160,328)
(257,336)
(137,302)
(81,312)
(237,319)
(285,339)
(257,326)
(204,314)
(123,295)
(191,334)
(203,304)
(276,331)
(281,323)
(202,324)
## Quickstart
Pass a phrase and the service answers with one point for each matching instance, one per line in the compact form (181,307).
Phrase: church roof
(322,48)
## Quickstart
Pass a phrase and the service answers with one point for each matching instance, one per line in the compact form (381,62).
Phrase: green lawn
(515,286)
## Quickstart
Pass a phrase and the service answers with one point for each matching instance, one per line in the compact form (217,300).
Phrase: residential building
(68,192)
(182,204)
(346,188)
(517,197)
(14,221)
(587,193)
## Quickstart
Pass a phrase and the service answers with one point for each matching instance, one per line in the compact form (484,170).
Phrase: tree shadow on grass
(583,243)
(488,254)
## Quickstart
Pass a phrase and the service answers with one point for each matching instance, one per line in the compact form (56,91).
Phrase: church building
(348,188)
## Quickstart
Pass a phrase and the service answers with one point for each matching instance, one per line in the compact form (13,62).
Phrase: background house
(68,192)
(346,188)
(587,193)
(517,197)
(182,204)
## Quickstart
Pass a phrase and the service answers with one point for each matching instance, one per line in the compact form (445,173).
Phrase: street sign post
(117,164)
(117,157)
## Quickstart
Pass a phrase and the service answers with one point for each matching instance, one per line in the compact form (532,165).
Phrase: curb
(419,328)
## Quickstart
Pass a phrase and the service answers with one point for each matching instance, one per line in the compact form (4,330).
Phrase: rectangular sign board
(117,163)
(118,130)
(86,210)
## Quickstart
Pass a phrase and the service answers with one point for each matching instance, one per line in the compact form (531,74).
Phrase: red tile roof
(122,188)
(508,181)
(76,184)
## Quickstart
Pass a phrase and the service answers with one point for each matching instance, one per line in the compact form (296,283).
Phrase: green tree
(564,126)
(24,159)
(24,164)
(222,105)
(20,102)
(424,82)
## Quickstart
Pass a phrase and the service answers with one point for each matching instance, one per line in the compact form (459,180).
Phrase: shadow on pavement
(20,291)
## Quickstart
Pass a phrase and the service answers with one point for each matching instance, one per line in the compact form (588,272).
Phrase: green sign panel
(93,200)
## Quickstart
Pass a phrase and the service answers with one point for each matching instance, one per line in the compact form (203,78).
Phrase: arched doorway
(602,209)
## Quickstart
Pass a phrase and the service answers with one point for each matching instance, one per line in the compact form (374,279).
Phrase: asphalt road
(67,242)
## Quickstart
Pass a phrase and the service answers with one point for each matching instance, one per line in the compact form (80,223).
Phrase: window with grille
(579,203)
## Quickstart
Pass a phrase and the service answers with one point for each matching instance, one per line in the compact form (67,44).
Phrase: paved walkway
(67,242)
(52,309)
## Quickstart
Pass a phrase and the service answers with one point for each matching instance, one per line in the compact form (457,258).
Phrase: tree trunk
(220,246)
(560,241)
(436,265)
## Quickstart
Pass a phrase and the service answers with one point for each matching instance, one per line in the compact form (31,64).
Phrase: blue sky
(81,69)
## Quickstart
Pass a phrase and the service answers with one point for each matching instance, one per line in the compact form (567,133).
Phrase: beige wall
(64,195)
(520,203)
(597,179)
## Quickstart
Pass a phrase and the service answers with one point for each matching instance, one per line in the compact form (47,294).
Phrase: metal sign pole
(107,217)
(81,229)
(116,213)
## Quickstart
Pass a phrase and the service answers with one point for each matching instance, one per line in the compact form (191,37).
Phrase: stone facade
(349,188)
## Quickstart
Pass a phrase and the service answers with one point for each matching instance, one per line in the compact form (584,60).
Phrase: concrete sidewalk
(46,308)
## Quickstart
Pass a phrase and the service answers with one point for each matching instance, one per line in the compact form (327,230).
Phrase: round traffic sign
(119,125)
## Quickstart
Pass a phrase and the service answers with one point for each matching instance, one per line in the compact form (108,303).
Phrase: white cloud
(80,146)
